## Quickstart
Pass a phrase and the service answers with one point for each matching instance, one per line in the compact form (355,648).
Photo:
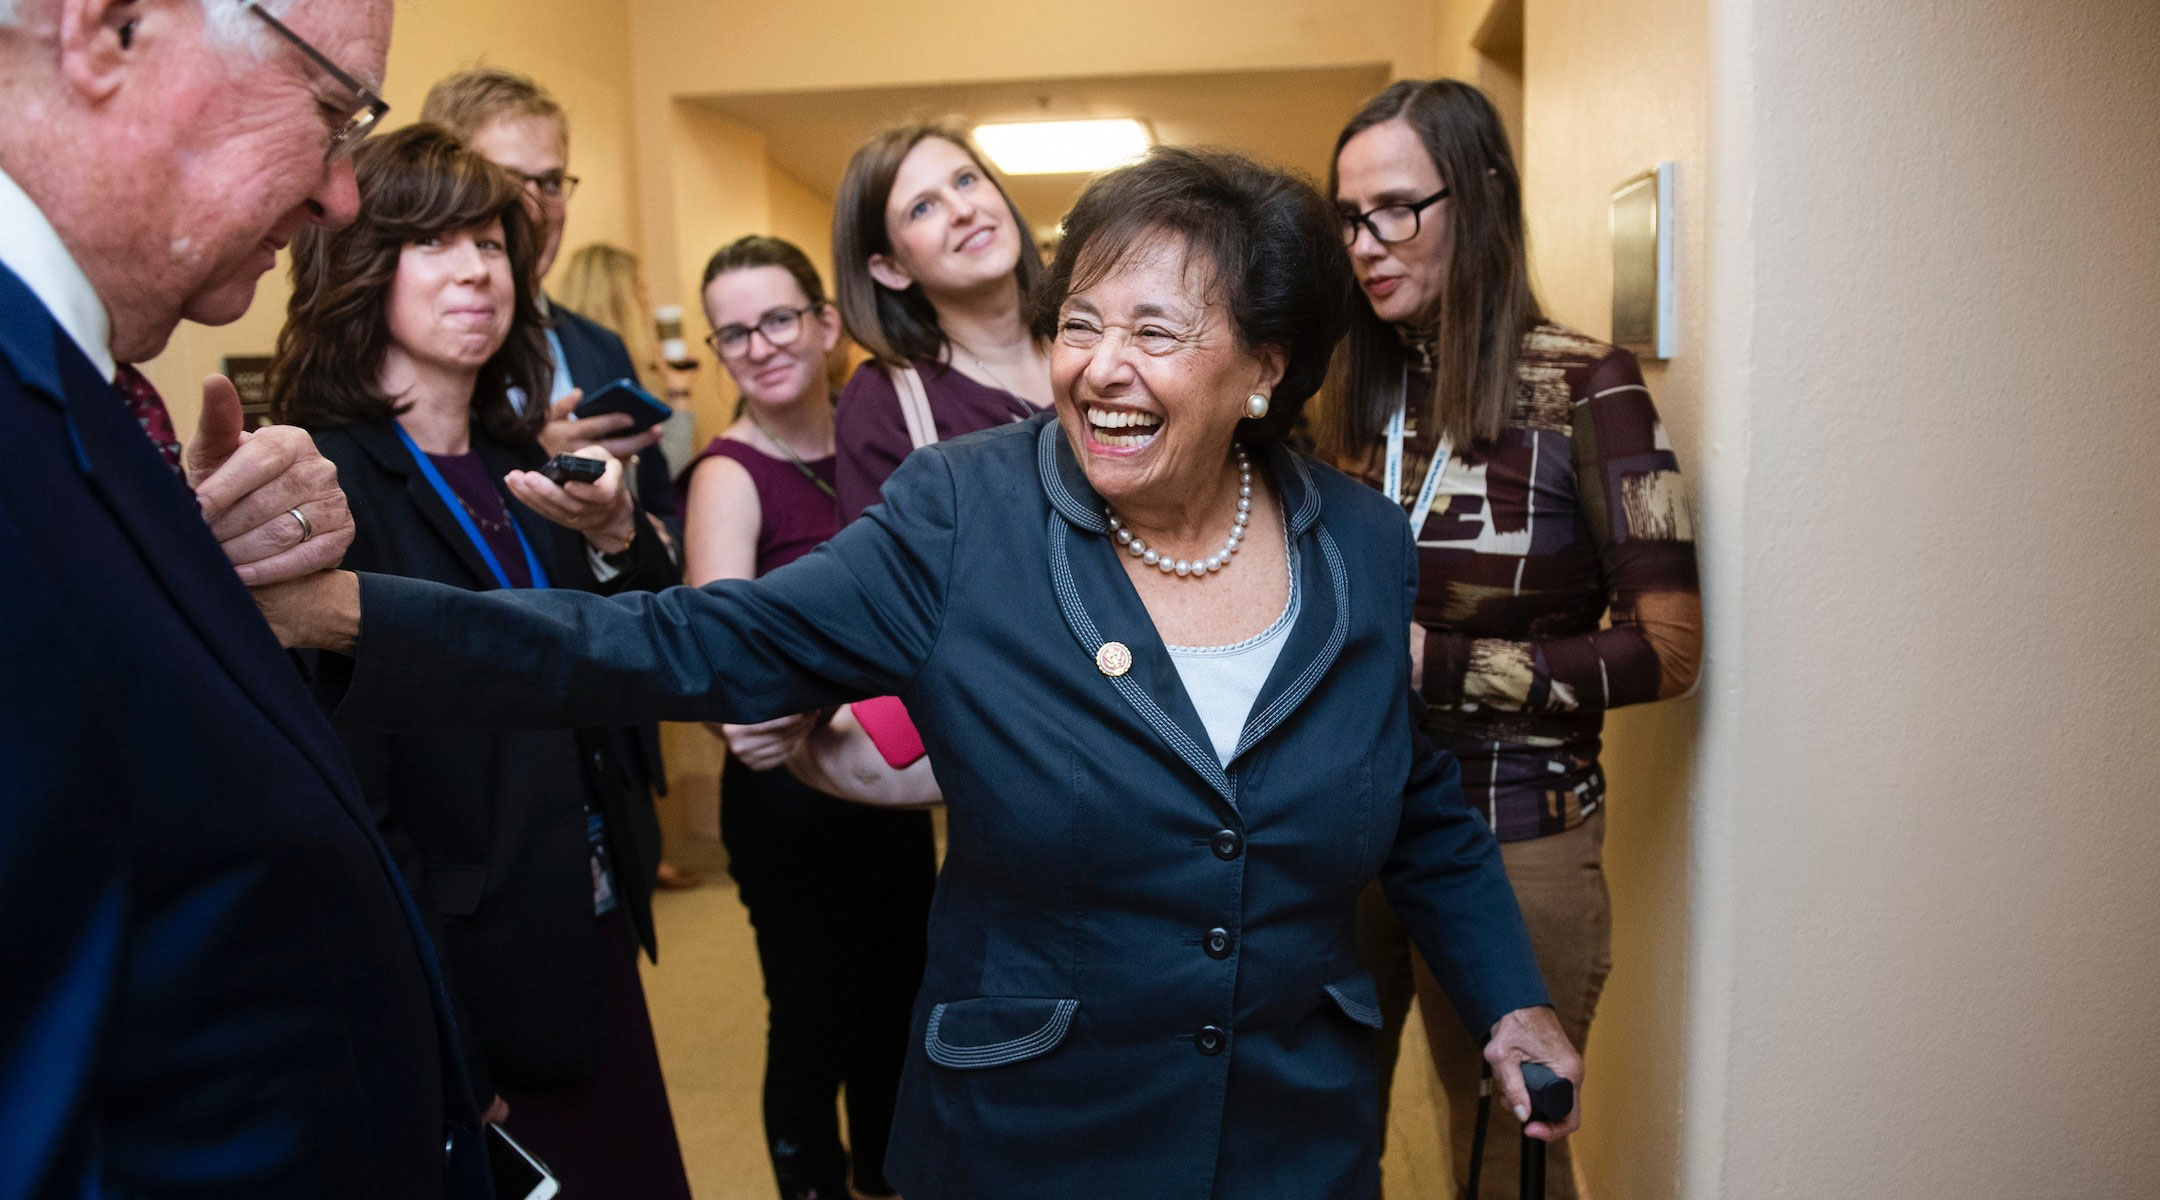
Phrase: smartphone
(890,728)
(573,468)
(624,396)
(518,1175)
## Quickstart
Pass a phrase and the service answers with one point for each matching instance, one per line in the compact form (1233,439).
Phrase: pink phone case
(890,728)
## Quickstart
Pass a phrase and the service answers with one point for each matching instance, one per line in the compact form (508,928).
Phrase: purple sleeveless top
(797,515)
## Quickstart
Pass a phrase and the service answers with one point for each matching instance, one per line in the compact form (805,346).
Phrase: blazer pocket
(996,1031)
(1358,997)
(455,891)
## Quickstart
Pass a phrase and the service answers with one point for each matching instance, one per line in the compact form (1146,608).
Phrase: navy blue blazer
(212,982)
(1142,978)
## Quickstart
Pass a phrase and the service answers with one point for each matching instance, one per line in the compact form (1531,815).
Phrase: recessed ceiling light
(1063,147)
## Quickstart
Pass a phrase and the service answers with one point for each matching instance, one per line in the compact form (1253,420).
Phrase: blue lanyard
(465,522)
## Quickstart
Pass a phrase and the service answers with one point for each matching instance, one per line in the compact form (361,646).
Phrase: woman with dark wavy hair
(411,346)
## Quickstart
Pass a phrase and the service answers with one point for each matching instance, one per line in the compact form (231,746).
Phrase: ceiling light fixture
(1063,147)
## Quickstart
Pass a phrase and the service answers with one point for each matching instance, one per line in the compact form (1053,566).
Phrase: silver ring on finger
(306,530)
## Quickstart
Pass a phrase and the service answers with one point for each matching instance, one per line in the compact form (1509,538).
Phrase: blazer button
(1217,943)
(1211,1039)
(1228,844)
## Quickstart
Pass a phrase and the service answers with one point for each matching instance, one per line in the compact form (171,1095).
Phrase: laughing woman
(1174,729)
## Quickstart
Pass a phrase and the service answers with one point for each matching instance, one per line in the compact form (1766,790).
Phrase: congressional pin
(1113,659)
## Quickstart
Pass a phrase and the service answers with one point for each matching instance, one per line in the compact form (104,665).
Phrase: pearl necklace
(1193,568)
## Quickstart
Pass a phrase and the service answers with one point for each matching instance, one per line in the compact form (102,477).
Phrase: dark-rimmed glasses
(372,107)
(781,326)
(553,185)
(1391,224)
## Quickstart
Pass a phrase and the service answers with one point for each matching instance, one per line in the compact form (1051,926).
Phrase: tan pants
(1560,883)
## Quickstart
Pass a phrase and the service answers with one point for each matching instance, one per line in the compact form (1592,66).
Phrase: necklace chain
(792,457)
(995,374)
(1186,568)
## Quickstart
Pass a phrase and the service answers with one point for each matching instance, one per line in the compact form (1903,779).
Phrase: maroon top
(872,436)
(468,476)
(795,514)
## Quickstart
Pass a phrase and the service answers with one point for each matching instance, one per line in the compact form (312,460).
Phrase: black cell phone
(573,468)
(624,396)
(518,1175)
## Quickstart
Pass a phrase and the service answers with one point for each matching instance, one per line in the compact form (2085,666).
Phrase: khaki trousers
(1560,883)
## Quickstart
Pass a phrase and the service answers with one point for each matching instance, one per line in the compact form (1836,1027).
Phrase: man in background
(214,983)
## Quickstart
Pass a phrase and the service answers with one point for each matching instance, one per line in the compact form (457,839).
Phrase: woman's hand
(1534,1035)
(1417,658)
(768,744)
(601,510)
(566,434)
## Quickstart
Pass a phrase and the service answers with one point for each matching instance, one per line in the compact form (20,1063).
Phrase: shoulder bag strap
(914,405)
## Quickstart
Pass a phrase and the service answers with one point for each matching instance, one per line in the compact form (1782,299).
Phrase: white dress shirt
(32,249)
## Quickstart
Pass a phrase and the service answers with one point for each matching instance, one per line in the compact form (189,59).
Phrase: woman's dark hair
(1268,245)
(415,182)
(1487,306)
(757,250)
(900,327)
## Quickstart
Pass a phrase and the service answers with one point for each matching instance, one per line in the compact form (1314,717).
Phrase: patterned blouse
(1576,513)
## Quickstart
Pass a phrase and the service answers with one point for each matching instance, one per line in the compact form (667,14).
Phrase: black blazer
(1142,979)
(203,943)
(491,830)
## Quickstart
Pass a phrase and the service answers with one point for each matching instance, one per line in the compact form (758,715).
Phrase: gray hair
(225,21)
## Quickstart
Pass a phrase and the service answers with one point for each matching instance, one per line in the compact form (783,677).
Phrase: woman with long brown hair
(933,268)
(410,334)
(1544,497)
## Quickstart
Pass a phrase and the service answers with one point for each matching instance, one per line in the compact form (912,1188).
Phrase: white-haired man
(214,983)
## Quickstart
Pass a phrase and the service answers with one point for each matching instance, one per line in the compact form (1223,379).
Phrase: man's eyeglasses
(1390,224)
(781,326)
(554,185)
(371,106)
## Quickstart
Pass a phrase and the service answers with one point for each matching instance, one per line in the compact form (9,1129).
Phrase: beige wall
(1927,932)
(579,49)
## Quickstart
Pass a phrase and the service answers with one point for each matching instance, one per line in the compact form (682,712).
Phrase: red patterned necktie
(150,413)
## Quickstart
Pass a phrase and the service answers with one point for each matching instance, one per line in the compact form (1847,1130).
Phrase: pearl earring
(1256,406)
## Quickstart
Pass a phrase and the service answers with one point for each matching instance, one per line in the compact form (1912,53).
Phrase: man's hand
(315,612)
(767,744)
(1533,1035)
(564,433)
(601,510)
(249,485)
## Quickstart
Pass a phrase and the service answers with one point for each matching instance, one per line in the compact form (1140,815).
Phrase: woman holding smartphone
(838,893)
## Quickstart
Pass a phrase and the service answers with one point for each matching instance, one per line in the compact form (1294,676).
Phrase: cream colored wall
(1927,927)
(579,49)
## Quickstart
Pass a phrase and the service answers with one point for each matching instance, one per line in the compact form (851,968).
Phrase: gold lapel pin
(1113,659)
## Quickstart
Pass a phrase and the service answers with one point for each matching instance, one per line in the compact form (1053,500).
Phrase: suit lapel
(160,517)
(1324,616)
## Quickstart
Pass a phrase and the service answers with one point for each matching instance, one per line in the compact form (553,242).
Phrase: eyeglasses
(554,185)
(371,106)
(781,326)
(1390,223)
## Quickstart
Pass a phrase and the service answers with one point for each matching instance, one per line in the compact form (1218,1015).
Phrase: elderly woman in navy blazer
(1174,727)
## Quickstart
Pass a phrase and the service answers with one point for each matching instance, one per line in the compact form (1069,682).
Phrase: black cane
(1551,1100)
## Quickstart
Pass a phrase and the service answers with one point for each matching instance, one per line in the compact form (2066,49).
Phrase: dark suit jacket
(491,829)
(1142,978)
(597,357)
(212,982)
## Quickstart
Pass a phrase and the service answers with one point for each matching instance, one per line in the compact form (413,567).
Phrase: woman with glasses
(1544,497)
(838,893)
